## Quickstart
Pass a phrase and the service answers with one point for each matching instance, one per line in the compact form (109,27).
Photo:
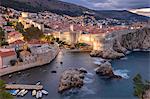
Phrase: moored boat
(20,93)
(44,92)
(34,93)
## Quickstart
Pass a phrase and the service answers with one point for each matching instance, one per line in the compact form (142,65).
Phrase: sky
(111,4)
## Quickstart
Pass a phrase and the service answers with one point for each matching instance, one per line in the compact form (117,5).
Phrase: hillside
(61,8)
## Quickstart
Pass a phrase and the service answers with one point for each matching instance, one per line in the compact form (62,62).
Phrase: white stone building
(6,56)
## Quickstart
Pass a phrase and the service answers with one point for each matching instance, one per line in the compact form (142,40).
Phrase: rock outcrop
(106,70)
(139,39)
(107,54)
(120,44)
(147,94)
(72,78)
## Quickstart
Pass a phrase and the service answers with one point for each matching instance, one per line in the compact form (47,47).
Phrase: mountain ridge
(61,8)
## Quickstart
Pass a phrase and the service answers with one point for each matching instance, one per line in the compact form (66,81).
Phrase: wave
(85,91)
(122,73)
(88,80)
(90,75)
(78,92)
(124,58)
(98,61)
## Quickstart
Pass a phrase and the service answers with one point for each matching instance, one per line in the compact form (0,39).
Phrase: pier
(21,86)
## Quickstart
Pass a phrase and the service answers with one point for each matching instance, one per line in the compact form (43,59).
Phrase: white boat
(45,92)
(34,93)
(39,94)
(38,83)
(24,93)
(20,93)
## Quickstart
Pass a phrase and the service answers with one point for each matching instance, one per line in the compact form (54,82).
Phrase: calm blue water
(95,87)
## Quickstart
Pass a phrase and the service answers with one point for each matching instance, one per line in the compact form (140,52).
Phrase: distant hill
(61,8)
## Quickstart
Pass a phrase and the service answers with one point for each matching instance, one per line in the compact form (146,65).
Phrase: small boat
(10,76)
(45,92)
(39,94)
(24,93)
(20,93)
(12,92)
(34,93)
(38,83)
(15,92)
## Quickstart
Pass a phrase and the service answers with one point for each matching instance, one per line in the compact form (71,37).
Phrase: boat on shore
(44,92)
(39,94)
(34,93)
(21,92)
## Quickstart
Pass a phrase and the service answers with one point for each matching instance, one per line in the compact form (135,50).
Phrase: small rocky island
(72,78)
(106,70)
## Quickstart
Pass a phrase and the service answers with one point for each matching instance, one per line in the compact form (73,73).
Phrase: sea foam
(122,73)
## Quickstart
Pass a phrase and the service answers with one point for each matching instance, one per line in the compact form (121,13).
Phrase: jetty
(21,86)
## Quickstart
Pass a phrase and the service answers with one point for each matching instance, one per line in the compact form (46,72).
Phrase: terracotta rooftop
(18,42)
(13,33)
(7,53)
(7,27)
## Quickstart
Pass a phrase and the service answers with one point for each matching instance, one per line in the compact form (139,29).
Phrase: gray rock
(72,78)
(118,46)
(105,69)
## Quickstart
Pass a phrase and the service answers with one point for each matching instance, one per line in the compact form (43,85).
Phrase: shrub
(12,62)
(140,86)
(3,93)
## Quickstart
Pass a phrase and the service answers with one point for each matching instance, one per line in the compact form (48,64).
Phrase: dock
(21,86)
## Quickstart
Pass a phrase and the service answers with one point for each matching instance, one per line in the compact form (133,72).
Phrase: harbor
(93,84)
(18,90)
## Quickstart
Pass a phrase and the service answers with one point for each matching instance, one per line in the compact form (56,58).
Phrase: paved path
(20,86)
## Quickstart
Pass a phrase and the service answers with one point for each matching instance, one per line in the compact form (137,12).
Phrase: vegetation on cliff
(140,86)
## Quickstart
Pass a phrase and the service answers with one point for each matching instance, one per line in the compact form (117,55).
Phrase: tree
(19,27)
(140,86)
(48,38)
(2,37)
(2,43)
(12,62)
(2,34)
(2,85)
(9,24)
(3,93)
(32,33)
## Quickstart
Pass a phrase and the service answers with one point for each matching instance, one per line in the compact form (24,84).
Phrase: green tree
(3,42)
(9,24)
(3,93)
(2,34)
(33,33)
(19,27)
(140,86)
(48,38)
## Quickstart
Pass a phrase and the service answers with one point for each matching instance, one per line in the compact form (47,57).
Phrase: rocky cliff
(120,44)
(136,40)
